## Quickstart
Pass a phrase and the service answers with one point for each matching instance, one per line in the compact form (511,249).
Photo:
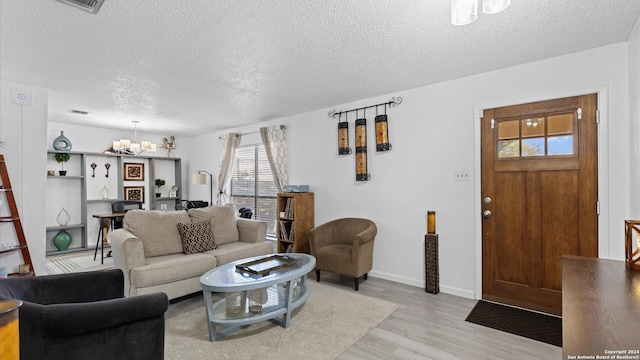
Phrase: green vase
(62,240)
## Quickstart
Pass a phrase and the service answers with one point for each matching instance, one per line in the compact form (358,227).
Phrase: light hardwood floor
(426,326)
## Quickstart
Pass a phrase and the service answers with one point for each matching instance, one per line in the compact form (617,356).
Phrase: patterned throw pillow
(197,237)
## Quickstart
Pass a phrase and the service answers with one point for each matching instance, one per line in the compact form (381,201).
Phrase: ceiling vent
(90,6)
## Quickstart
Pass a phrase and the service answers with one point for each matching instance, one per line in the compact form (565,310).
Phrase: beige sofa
(149,248)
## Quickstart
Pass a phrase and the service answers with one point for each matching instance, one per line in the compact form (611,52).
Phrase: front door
(539,198)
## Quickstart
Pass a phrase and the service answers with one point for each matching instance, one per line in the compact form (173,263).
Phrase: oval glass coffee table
(256,293)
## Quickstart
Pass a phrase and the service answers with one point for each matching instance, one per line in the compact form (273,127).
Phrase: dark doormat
(520,322)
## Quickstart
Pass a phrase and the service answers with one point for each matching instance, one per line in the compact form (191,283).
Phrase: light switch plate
(462,175)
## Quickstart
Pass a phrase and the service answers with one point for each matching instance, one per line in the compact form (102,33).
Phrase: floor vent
(90,6)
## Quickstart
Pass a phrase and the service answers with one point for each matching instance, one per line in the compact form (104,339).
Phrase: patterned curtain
(228,146)
(273,138)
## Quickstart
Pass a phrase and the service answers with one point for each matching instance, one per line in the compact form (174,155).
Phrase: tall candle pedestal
(431,263)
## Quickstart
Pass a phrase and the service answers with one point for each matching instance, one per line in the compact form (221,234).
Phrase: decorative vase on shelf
(63,217)
(62,240)
(105,193)
(61,142)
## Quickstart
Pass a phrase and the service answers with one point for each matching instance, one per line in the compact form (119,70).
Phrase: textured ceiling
(188,67)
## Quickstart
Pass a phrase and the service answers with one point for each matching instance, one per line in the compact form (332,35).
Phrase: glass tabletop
(228,278)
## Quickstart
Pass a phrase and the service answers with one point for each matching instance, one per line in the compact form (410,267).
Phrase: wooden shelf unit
(14,218)
(295,219)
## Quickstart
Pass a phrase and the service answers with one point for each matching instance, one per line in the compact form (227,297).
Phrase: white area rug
(324,327)
(76,263)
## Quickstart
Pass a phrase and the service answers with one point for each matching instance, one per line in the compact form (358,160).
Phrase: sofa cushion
(169,268)
(157,230)
(223,222)
(196,237)
(240,250)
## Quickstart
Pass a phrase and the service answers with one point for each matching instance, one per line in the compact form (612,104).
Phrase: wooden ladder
(14,218)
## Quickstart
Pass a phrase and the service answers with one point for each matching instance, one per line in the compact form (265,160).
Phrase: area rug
(532,325)
(77,263)
(324,327)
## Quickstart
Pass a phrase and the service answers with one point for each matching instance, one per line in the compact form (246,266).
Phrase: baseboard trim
(420,283)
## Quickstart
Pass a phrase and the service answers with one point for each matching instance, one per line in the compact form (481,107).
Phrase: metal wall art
(381,132)
(361,150)
(343,136)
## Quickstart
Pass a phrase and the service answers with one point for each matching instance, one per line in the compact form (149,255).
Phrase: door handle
(486,214)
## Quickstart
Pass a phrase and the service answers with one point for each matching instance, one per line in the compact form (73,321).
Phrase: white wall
(23,128)
(203,154)
(634,118)
(434,133)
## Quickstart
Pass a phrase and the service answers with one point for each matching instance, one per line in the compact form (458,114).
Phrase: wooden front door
(539,198)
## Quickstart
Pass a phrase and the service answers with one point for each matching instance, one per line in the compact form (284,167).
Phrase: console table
(600,308)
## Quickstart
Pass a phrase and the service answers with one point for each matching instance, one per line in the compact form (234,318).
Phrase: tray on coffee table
(265,265)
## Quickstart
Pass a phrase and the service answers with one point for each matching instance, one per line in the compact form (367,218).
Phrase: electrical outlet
(461,175)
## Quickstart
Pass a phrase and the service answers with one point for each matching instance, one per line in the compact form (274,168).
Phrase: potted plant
(62,158)
(159,183)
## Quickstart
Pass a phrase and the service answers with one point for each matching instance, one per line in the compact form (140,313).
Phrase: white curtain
(228,146)
(273,138)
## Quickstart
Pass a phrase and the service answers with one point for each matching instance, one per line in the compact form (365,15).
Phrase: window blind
(252,185)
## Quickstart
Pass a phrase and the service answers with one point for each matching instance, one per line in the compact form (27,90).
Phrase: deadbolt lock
(486,214)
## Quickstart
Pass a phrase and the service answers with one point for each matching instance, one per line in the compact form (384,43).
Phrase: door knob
(486,214)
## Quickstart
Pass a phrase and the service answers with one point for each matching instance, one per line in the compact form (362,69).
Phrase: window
(252,185)
(535,137)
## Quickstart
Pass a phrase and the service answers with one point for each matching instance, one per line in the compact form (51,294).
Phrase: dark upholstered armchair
(85,316)
(344,246)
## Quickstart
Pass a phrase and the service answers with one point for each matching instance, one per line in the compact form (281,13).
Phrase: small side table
(102,234)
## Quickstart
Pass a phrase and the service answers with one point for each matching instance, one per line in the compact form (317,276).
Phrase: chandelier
(465,12)
(125,146)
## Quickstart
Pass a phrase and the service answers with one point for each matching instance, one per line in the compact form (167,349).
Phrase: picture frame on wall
(133,172)
(134,193)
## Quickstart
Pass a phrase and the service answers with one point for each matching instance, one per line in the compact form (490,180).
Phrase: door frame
(603,166)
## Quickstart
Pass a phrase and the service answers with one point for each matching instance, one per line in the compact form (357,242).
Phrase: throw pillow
(197,237)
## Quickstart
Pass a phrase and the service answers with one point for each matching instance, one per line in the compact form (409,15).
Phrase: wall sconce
(201,179)
(361,150)
(343,136)
(125,146)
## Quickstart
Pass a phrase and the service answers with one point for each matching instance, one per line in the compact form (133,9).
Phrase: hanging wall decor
(382,135)
(343,136)
(361,150)
(382,131)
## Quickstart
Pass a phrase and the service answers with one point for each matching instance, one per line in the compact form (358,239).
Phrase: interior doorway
(539,186)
